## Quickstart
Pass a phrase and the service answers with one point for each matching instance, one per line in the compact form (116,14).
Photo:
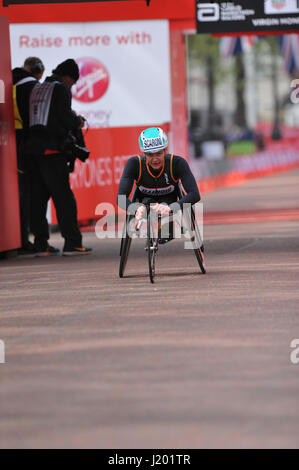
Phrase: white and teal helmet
(152,140)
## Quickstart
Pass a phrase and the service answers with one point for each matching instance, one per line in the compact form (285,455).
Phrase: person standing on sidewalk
(51,121)
(24,80)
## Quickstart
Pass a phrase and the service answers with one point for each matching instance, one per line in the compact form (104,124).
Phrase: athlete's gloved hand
(139,213)
(162,209)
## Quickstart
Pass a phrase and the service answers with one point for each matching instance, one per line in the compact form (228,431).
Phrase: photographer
(52,122)
(24,80)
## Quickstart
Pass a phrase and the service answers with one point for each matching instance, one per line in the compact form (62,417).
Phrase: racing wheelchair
(153,234)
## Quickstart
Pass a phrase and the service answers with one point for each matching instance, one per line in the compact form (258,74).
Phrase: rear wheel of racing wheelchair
(197,243)
(124,249)
(196,237)
(126,241)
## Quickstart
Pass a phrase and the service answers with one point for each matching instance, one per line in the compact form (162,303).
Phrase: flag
(289,44)
(231,45)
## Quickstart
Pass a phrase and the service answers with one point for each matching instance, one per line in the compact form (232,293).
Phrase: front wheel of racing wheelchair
(153,240)
(151,243)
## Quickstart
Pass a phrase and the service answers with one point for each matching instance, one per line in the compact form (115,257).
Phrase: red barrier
(9,202)
(258,165)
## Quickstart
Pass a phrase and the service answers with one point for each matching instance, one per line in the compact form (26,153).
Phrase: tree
(240,114)
(205,49)
(268,48)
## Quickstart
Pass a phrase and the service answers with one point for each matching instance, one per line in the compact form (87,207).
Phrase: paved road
(191,362)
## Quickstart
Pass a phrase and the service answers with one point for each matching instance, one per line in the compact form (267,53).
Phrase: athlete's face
(155,160)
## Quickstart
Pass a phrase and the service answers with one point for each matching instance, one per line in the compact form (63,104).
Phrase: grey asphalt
(193,361)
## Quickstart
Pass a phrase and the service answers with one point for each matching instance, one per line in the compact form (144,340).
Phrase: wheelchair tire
(200,259)
(124,255)
(152,247)
(198,253)
(124,250)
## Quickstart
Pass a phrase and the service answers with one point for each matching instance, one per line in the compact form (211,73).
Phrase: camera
(72,150)
(80,152)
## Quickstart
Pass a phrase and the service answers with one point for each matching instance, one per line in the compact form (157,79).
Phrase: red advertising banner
(9,196)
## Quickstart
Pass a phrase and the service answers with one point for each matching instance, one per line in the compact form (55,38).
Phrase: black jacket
(23,91)
(61,120)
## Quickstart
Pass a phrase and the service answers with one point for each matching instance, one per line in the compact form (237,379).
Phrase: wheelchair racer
(157,175)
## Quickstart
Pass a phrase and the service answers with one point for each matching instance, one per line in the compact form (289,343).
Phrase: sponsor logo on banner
(278,3)
(208,12)
(156,191)
(281,6)
(238,16)
(93,81)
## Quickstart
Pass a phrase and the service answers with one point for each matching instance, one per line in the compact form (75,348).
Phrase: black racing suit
(158,185)
(23,83)
(51,120)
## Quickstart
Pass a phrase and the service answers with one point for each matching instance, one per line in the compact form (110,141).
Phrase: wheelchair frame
(152,241)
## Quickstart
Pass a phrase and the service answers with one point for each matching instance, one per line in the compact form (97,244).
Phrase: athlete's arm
(181,170)
(130,174)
